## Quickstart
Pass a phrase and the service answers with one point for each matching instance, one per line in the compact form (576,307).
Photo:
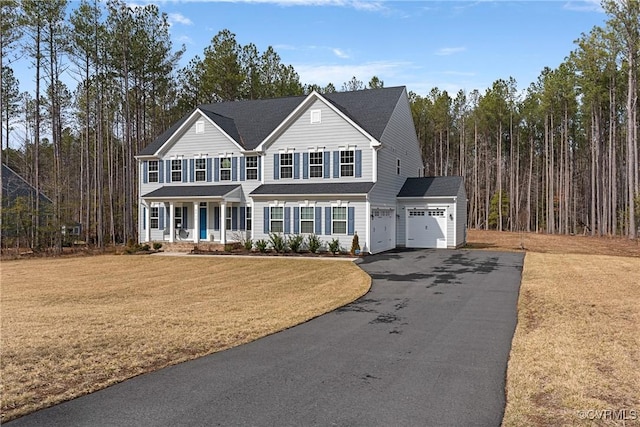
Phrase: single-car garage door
(382,230)
(426,228)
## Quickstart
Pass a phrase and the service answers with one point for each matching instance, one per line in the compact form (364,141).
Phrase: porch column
(196,222)
(172,226)
(147,221)
(223,222)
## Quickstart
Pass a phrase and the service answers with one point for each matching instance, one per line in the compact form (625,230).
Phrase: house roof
(250,122)
(431,186)
(14,186)
(192,191)
(333,188)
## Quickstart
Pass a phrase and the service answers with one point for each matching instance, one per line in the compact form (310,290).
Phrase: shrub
(278,242)
(248,244)
(313,243)
(261,245)
(355,245)
(334,246)
(295,242)
(145,247)
(157,246)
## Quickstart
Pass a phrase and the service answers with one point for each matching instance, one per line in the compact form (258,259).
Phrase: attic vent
(316,116)
(200,127)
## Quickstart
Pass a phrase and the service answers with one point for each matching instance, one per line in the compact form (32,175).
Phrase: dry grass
(72,326)
(576,349)
(553,244)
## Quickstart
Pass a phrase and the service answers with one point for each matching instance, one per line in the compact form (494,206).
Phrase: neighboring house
(327,164)
(18,204)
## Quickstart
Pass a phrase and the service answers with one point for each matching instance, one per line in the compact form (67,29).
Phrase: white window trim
(321,165)
(200,126)
(398,167)
(353,164)
(156,217)
(157,171)
(248,219)
(315,116)
(228,217)
(247,168)
(271,220)
(313,220)
(281,166)
(196,170)
(176,159)
(225,169)
(344,206)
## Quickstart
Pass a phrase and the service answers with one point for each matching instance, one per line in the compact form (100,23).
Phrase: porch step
(187,247)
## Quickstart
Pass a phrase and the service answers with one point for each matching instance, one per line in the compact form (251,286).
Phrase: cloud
(178,18)
(446,51)
(338,74)
(340,53)
(584,6)
(366,5)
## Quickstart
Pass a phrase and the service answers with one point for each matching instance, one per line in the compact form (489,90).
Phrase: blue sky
(451,45)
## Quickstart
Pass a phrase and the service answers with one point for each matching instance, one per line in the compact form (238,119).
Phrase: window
(252,167)
(201,169)
(316,116)
(339,220)
(307,218)
(416,213)
(398,166)
(177,217)
(315,164)
(249,219)
(346,163)
(199,127)
(286,165)
(228,218)
(436,212)
(154,215)
(152,174)
(176,170)
(225,169)
(277,220)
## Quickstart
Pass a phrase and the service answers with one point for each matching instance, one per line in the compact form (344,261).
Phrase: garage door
(426,228)
(382,230)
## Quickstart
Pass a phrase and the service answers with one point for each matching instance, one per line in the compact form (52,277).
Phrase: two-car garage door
(426,228)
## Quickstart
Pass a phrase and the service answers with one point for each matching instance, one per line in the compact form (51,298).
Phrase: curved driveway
(427,346)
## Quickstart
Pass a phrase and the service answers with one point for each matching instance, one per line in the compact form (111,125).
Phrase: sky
(450,45)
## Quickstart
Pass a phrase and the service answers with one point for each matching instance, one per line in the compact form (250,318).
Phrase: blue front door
(203,223)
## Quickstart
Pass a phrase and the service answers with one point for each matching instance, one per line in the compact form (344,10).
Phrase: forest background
(560,156)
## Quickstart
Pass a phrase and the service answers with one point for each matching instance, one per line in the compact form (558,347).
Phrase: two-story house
(331,165)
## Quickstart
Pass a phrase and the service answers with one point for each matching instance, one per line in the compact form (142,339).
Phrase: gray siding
(399,141)
(330,134)
(360,220)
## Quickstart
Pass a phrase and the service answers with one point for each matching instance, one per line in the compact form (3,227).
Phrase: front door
(203,223)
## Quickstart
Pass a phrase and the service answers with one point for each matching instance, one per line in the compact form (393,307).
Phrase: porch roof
(191,191)
(315,189)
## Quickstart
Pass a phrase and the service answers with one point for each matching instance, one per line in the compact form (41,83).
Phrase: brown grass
(73,326)
(552,244)
(576,349)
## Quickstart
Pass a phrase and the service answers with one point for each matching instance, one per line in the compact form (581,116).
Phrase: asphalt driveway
(427,346)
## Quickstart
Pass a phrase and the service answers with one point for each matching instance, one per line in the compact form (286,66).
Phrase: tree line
(558,157)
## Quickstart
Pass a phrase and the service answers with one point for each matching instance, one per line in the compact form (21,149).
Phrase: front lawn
(73,326)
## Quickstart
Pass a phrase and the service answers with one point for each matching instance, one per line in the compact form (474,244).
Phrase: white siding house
(332,165)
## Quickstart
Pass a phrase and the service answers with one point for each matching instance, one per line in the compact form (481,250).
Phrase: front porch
(211,214)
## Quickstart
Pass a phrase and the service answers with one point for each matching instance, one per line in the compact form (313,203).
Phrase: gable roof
(250,122)
(315,189)
(431,186)
(14,186)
